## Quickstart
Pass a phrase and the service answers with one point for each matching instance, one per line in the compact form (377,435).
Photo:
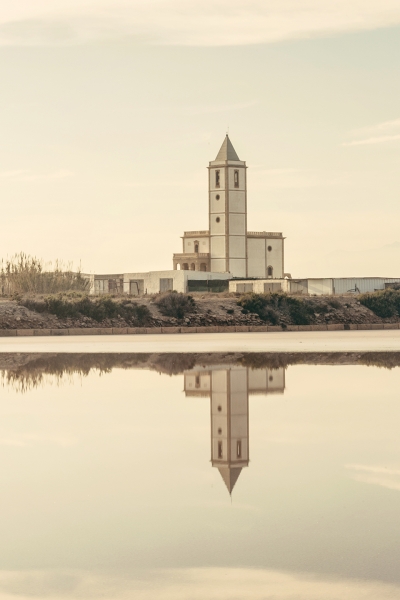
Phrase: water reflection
(229,390)
(107,491)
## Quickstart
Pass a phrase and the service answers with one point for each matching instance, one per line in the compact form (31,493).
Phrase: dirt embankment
(209,310)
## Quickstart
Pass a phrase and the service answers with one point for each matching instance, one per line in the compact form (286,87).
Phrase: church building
(227,246)
(226,256)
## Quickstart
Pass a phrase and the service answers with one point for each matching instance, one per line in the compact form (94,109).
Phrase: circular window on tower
(217,196)
(219,408)
(218,219)
(220,431)
(269,248)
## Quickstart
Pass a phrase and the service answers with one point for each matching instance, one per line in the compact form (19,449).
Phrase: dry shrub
(174,304)
(98,309)
(384,303)
(272,307)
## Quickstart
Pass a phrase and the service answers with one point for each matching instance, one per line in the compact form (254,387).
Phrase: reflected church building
(229,389)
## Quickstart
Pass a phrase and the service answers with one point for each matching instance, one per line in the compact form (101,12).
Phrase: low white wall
(151,279)
(320,287)
(257,285)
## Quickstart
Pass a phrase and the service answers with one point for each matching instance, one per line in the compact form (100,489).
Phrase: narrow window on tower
(236,179)
(220,451)
(217,179)
(239,449)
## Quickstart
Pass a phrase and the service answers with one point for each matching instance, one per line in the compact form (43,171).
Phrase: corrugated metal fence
(342,285)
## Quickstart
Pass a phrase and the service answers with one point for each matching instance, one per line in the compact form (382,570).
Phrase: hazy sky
(110,112)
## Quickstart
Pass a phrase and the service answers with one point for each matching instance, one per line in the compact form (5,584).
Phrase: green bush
(261,305)
(321,308)
(174,304)
(300,312)
(334,303)
(269,307)
(98,309)
(255,303)
(384,303)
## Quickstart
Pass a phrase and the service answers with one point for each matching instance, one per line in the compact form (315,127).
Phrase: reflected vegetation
(28,371)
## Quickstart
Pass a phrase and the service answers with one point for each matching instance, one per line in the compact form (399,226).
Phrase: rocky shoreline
(211,313)
(76,331)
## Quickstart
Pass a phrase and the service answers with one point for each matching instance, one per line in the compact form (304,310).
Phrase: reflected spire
(230,475)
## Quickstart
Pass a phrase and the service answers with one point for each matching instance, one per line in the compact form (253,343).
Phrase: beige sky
(110,112)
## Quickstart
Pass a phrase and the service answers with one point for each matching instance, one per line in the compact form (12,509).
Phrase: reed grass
(24,274)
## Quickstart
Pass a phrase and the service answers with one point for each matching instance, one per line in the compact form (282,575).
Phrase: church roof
(227,151)
(230,475)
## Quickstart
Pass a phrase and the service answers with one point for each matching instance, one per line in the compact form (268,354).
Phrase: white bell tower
(228,212)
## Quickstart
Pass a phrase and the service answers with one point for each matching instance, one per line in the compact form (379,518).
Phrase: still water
(172,478)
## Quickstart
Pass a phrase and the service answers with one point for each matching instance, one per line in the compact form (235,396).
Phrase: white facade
(227,246)
(265,254)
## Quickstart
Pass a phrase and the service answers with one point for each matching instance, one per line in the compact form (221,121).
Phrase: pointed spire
(230,475)
(227,151)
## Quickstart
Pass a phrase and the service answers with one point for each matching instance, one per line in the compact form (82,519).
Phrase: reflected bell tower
(228,389)
(229,423)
